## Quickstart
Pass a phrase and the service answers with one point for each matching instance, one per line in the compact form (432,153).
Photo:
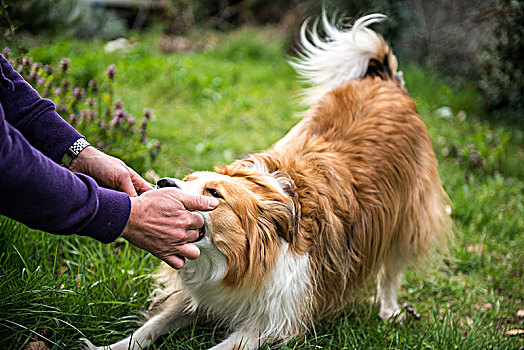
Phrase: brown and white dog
(351,193)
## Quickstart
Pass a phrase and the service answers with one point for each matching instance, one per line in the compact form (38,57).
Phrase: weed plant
(92,109)
(239,96)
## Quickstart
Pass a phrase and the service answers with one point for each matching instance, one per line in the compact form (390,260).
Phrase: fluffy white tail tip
(344,54)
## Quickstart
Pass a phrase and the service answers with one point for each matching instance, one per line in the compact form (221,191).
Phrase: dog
(350,194)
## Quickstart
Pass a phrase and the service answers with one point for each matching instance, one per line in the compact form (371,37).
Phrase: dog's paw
(392,314)
(88,345)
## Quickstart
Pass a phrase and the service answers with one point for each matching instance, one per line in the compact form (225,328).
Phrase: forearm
(43,195)
(34,116)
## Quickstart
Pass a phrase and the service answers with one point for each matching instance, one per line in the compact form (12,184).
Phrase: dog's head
(255,216)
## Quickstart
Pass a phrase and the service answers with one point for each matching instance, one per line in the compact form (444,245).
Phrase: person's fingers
(140,184)
(188,250)
(195,202)
(192,235)
(195,221)
(126,185)
(174,261)
(183,235)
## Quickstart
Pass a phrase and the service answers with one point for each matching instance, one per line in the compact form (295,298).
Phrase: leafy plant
(93,110)
(502,79)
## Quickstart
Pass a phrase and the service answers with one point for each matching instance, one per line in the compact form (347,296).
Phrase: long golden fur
(367,187)
(350,194)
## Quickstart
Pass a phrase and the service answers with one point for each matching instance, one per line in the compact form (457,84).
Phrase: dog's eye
(214,193)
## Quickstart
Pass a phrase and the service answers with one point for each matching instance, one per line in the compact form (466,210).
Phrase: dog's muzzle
(166,182)
(201,231)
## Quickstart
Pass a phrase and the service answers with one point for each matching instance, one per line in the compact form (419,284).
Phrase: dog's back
(370,196)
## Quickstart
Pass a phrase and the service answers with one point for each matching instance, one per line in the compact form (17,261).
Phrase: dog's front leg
(240,340)
(172,316)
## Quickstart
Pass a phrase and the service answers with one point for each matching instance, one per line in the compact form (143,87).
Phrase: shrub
(502,79)
(65,17)
(93,110)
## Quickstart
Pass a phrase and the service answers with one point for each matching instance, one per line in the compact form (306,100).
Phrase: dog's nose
(166,182)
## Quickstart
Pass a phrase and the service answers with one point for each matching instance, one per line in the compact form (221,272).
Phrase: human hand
(109,172)
(161,223)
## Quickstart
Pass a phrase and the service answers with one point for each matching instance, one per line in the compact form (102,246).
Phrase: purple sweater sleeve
(33,116)
(38,192)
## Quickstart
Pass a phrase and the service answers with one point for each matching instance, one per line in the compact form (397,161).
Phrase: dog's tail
(343,55)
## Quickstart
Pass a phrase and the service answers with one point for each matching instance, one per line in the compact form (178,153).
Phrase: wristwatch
(73,151)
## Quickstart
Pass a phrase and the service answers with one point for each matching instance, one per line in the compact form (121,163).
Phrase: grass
(211,107)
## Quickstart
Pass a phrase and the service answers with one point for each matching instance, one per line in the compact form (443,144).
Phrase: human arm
(43,195)
(33,116)
(109,172)
(38,121)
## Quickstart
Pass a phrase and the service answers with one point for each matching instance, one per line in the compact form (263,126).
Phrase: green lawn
(239,96)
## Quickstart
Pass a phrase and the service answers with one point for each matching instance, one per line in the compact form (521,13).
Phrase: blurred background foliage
(479,41)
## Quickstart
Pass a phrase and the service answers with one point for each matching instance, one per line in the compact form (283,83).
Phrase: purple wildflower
(158,144)
(64,64)
(58,91)
(27,61)
(147,113)
(36,66)
(100,145)
(77,92)
(6,52)
(111,71)
(119,104)
(41,81)
(93,84)
(48,69)
(103,124)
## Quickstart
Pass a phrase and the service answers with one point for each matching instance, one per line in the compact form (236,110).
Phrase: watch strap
(73,151)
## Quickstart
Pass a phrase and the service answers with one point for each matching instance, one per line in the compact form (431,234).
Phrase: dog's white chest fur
(271,310)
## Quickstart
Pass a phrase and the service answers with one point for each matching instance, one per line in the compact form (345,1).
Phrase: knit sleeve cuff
(111,218)
(51,134)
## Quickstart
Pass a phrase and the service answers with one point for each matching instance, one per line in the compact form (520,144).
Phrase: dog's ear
(293,207)
(264,223)
(279,218)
